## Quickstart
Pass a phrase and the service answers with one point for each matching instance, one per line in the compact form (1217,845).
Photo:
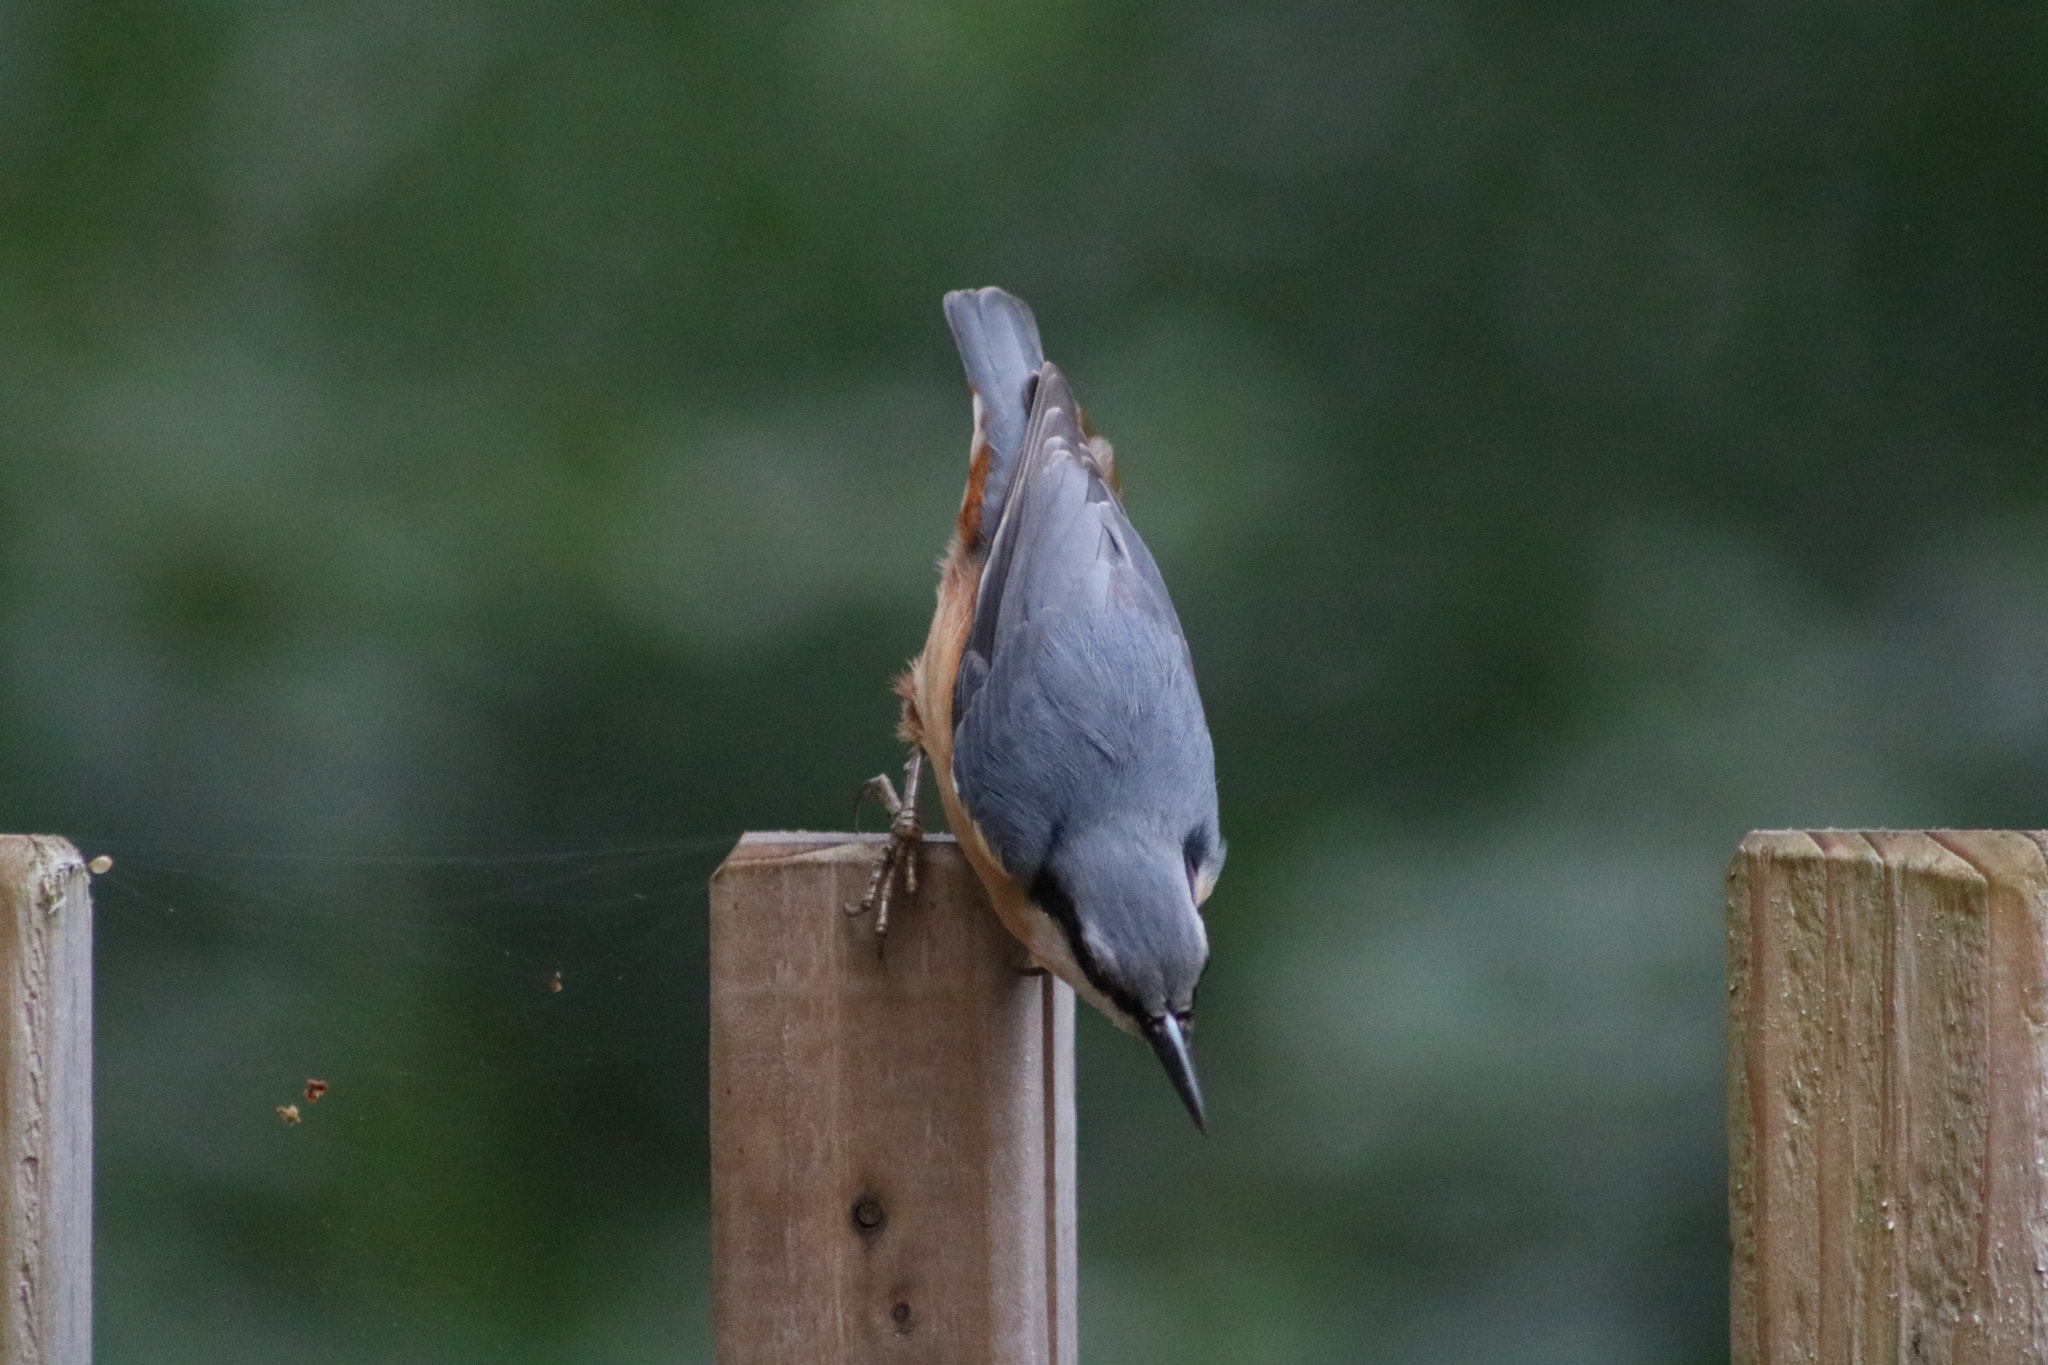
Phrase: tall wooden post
(45,1102)
(1888,1098)
(892,1120)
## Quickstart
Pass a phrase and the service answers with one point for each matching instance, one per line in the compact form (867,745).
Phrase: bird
(1055,701)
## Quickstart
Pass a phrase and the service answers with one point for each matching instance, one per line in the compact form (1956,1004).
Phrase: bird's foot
(899,857)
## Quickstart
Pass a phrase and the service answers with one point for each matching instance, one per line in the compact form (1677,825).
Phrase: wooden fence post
(892,1121)
(1888,1098)
(46,1102)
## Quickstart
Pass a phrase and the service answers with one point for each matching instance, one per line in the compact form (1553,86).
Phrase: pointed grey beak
(1172,1046)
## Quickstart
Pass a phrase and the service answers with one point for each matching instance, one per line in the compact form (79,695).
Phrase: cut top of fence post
(45,1102)
(892,1135)
(1888,1097)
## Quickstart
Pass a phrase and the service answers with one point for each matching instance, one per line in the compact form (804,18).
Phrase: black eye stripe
(1050,896)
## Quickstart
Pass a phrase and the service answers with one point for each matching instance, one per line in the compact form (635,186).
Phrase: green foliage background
(462,463)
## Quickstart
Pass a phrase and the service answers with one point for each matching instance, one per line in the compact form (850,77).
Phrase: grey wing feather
(1075,704)
(998,341)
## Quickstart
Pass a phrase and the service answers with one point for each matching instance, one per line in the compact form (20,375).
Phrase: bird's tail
(999,346)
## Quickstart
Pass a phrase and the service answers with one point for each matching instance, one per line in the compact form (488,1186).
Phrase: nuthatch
(1056,701)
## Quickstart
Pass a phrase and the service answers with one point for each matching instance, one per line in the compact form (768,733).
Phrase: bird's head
(1128,905)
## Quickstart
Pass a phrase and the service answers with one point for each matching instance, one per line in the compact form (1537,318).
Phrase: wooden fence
(893,1124)
(1888,1098)
(892,1120)
(46,1102)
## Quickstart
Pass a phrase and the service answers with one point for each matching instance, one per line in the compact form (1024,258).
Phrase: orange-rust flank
(970,502)
(315,1088)
(927,708)
(931,673)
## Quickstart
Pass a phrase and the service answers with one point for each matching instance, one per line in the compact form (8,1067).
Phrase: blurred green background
(463,463)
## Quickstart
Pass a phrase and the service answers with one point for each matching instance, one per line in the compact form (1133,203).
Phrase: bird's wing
(1075,699)
(1064,541)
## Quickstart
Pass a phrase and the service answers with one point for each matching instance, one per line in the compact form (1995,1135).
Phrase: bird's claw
(906,843)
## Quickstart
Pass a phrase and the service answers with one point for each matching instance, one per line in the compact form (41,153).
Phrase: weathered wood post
(892,1121)
(46,1102)
(1888,1098)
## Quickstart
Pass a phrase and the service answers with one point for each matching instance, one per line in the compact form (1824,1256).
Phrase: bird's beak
(1171,1044)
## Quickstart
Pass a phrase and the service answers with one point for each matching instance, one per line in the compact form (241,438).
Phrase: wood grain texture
(46,1102)
(1888,1097)
(892,1122)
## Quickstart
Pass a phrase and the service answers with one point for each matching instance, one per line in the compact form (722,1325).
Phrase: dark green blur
(463,463)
